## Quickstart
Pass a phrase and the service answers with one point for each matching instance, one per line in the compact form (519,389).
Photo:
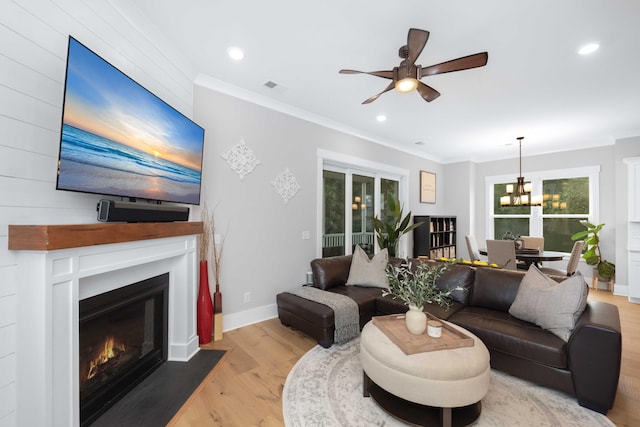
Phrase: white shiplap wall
(33,49)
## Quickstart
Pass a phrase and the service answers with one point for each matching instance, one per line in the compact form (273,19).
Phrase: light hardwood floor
(245,388)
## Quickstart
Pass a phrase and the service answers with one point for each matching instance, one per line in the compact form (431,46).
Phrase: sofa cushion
(460,278)
(549,304)
(369,272)
(330,272)
(495,288)
(500,331)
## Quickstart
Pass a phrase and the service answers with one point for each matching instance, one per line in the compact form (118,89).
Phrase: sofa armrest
(594,350)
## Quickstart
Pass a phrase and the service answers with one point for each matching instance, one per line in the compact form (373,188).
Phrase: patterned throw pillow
(369,272)
(551,305)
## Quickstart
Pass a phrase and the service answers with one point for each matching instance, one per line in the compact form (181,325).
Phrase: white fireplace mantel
(52,282)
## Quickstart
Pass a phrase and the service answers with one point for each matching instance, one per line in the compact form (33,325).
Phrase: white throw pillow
(369,272)
(555,306)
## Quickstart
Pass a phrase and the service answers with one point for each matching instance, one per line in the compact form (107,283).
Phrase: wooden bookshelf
(436,238)
(53,237)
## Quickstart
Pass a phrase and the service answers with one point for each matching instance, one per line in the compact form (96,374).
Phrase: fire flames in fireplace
(110,351)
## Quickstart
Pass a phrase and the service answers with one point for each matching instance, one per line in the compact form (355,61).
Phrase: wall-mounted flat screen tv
(119,139)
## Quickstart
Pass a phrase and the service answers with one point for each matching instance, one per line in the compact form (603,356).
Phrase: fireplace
(123,338)
(64,265)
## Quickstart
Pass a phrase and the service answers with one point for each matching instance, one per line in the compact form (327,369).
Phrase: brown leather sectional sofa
(587,366)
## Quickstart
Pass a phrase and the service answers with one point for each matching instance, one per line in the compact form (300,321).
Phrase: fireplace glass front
(123,338)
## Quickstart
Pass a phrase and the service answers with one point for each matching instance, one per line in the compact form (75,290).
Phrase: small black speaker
(114,211)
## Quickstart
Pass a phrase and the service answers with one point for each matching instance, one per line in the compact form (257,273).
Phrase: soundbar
(114,211)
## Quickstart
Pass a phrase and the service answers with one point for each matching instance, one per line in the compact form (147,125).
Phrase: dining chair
(532,242)
(572,264)
(472,248)
(503,253)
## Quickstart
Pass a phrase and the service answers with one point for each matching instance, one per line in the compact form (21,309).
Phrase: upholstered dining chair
(532,242)
(503,253)
(572,264)
(472,248)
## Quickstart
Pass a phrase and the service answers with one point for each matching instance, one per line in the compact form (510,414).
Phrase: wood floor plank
(246,389)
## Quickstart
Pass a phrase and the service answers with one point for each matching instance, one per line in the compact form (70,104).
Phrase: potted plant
(415,288)
(390,230)
(592,255)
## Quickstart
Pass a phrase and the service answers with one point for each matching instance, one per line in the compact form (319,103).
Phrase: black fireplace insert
(123,338)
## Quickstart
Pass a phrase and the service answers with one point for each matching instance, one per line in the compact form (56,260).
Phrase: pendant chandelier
(521,195)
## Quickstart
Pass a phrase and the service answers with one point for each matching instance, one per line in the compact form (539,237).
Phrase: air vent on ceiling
(276,87)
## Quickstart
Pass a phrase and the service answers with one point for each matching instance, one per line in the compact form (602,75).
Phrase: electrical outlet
(247,297)
(306,235)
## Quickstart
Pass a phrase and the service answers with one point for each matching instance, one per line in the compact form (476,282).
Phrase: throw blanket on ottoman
(345,311)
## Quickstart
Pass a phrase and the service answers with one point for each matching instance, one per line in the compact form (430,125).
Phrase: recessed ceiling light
(588,48)
(235,53)
(381,118)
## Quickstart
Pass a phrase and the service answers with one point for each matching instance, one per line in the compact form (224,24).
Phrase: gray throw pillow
(369,272)
(551,305)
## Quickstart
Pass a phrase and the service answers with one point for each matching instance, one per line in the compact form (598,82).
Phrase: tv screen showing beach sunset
(120,139)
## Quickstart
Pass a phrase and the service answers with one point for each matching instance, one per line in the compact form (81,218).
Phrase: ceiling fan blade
(374,97)
(384,74)
(416,40)
(464,63)
(427,92)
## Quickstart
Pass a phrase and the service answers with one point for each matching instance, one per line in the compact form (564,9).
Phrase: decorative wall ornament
(241,159)
(286,185)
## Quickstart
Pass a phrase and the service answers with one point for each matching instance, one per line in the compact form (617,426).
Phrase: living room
(257,225)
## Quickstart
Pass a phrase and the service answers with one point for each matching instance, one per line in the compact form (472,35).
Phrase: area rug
(325,389)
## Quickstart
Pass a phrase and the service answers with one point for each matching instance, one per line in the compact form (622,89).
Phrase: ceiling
(534,84)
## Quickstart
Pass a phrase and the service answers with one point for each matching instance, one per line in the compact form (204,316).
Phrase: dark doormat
(158,397)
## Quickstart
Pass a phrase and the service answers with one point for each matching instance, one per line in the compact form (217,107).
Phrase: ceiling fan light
(235,53)
(588,48)
(406,85)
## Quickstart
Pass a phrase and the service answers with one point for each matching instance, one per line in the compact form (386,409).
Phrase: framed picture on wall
(427,187)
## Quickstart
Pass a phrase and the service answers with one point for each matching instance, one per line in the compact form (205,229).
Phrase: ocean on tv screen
(94,164)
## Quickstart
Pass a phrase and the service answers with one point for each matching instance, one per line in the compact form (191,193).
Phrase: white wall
(461,200)
(33,52)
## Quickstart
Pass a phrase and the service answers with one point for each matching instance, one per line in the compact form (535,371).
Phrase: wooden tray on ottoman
(395,328)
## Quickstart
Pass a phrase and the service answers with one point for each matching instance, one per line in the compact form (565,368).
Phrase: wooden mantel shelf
(53,237)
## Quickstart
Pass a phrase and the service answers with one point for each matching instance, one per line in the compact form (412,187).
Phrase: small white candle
(434,328)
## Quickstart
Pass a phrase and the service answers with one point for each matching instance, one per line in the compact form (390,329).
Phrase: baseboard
(620,290)
(248,317)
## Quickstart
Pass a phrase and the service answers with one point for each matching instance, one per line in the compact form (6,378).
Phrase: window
(565,204)
(333,213)
(568,196)
(352,193)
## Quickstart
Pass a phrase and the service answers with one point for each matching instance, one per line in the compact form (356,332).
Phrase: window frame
(350,165)
(536,216)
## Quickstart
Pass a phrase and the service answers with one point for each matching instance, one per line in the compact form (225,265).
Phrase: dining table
(533,256)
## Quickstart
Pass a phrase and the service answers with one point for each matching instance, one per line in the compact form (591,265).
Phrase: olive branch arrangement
(415,287)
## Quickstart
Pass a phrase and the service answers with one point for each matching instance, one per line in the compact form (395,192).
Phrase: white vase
(416,320)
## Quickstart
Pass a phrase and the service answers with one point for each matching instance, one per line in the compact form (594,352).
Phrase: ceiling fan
(406,77)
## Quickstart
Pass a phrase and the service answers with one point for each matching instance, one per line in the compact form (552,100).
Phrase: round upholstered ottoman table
(442,387)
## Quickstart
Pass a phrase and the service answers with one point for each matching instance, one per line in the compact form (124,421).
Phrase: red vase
(204,306)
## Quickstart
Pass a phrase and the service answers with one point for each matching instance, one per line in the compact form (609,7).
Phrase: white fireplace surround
(51,283)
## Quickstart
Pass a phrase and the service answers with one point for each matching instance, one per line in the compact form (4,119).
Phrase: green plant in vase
(592,254)
(393,226)
(417,287)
